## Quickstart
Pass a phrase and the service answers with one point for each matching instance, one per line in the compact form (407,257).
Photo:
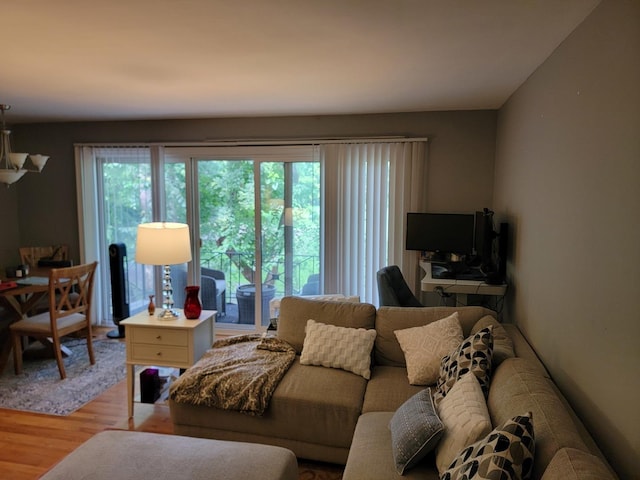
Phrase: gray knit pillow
(415,430)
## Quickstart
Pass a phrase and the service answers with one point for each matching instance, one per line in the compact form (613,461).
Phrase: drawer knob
(159,337)
(159,354)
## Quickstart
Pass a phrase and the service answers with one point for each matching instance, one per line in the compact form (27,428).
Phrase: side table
(176,343)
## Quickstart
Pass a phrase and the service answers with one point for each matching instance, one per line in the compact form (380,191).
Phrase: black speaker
(503,242)
(119,287)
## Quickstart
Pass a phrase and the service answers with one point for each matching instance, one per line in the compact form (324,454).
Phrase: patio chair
(213,288)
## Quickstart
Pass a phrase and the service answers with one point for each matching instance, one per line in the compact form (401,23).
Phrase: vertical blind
(369,188)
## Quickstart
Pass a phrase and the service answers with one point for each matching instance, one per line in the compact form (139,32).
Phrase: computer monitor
(440,232)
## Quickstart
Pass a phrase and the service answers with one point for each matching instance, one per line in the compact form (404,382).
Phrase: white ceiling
(68,60)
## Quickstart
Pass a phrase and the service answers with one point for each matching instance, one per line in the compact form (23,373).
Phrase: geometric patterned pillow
(424,347)
(505,454)
(473,355)
(338,347)
(415,430)
(502,343)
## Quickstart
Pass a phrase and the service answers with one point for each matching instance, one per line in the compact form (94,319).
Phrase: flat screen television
(440,232)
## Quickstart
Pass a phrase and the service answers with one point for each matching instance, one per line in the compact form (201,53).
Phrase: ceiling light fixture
(11,163)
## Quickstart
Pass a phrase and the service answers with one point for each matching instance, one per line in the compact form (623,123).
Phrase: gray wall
(568,181)
(41,208)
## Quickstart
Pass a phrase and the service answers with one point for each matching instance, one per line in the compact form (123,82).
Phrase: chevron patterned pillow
(338,347)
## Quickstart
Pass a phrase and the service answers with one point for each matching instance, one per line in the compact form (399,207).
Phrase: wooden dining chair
(31,255)
(70,298)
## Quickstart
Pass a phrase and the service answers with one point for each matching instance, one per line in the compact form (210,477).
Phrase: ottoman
(124,455)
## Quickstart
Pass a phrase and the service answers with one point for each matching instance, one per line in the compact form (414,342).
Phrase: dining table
(18,300)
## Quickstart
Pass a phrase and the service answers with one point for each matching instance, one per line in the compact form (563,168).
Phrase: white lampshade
(163,243)
(10,176)
(39,161)
(18,159)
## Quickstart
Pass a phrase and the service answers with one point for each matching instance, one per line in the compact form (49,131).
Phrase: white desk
(176,343)
(461,288)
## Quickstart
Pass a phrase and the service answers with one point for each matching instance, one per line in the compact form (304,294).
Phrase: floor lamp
(164,243)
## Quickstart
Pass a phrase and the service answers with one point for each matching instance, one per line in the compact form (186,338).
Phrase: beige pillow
(502,343)
(425,346)
(338,347)
(465,417)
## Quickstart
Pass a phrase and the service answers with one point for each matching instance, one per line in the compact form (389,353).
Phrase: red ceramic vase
(192,305)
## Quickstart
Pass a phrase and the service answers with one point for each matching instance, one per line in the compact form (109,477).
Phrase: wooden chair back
(70,299)
(71,292)
(31,255)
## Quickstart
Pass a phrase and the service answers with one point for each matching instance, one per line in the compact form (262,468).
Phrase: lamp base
(168,314)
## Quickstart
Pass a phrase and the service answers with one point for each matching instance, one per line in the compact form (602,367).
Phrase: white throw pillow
(465,417)
(338,347)
(425,346)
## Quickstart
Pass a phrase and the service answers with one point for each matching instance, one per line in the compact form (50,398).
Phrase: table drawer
(161,336)
(142,353)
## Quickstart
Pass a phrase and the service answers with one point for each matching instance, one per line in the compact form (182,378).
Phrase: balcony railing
(141,279)
(230,264)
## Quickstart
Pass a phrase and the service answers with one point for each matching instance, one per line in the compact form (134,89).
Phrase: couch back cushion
(573,464)
(389,319)
(518,385)
(295,311)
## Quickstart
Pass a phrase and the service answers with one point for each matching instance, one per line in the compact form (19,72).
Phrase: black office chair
(393,291)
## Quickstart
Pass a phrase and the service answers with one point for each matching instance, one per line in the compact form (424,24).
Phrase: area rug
(308,470)
(39,388)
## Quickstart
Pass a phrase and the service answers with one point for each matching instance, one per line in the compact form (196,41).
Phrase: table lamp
(164,243)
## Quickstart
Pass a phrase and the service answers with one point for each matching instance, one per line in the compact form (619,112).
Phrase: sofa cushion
(389,319)
(338,347)
(502,343)
(519,385)
(387,389)
(425,346)
(574,464)
(295,311)
(317,398)
(473,355)
(465,417)
(370,455)
(506,453)
(415,430)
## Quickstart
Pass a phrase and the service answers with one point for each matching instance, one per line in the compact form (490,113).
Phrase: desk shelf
(462,288)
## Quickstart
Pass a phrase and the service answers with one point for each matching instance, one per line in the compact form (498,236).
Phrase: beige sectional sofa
(334,415)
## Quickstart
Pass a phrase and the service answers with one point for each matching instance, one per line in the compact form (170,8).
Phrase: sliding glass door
(254,216)
(254,244)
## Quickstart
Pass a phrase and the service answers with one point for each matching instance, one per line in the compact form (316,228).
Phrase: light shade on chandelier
(11,164)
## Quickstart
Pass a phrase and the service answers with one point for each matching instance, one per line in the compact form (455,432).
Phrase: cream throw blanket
(237,373)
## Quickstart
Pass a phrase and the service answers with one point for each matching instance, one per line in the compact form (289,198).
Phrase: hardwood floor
(31,443)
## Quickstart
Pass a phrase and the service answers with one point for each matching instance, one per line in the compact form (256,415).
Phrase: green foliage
(226,206)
